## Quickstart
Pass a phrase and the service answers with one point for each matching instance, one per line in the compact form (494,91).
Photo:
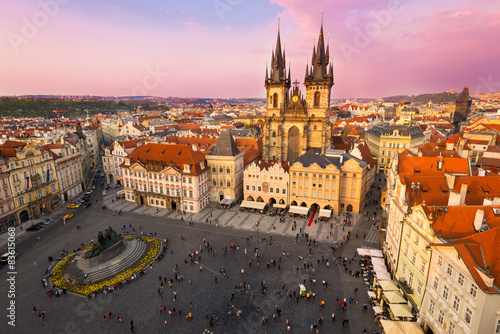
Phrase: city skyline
(220,48)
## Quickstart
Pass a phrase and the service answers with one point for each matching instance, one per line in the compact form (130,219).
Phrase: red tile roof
(153,155)
(481,251)
(428,166)
(434,189)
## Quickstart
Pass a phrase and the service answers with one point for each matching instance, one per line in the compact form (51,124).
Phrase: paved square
(140,300)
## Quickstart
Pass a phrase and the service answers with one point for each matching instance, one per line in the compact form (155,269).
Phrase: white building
(463,295)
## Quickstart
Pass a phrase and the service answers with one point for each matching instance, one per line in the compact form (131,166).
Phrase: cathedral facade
(295,124)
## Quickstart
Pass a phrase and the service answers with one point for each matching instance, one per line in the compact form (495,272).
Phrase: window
(403,270)
(277,190)
(417,240)
(20,201)
(259,188)
(406,249)
(461,279)
(215,183)
(413,258)
(473,290)
(228,170)
(221,183)
(271,190)
(468,315)
(451,328)
(449,270)
(441,317)
(440,261)
(191,194)
(497,330)
(228,183)
(422,266)
(446,291)
(419,288)
(456,303)
(283,191)
(316,99)
(248,187)
(253,188)
(410,279)
(432,304)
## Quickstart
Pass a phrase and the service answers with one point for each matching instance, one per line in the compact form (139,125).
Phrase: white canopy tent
(377,310)
(372,295)
(401,310)
(325,213)
(378,268)
(383,275)
(401,327)
(377,261)
(253,205)
(226,201)
(388,285)
(370,252)
(300,210)
(395,297)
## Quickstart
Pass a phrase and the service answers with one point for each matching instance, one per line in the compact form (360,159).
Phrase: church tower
(319,81)
(277,86)
(295,124)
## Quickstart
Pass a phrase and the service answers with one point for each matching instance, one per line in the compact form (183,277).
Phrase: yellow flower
(153,248)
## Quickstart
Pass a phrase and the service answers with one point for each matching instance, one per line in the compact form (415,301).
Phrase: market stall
(298,211)
(325,214)
(401,327)
(252,206)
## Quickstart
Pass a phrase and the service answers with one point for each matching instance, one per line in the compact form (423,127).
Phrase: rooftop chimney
(450,180)
(440,164)
(449,146)
(478,220)
(463,193)
(481,172)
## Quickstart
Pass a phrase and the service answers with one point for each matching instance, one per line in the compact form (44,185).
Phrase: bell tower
(277,84)
(319,79)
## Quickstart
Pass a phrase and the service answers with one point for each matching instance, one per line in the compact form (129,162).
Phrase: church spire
(320,58)
(278,61)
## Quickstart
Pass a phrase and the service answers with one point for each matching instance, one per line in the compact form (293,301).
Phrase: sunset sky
(219,48)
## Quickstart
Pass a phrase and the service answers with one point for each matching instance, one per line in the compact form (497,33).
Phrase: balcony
(404,285)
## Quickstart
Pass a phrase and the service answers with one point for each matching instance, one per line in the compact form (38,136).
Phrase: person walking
(132,326)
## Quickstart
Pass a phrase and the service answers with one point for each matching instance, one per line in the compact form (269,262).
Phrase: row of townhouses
(40,174)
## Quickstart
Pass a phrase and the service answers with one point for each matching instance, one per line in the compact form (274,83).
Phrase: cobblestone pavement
(140,301)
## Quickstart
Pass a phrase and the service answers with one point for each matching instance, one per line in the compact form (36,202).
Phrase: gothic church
(294,124)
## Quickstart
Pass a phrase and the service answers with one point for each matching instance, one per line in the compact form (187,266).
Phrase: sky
(219,48)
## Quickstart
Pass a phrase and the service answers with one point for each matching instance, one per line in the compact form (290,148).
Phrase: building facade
(172,177)
(8,216)
(385,142)
(414,256)
(32,179)
(334,182)
(294,124)
(227,164)
(462,295)
(267,182)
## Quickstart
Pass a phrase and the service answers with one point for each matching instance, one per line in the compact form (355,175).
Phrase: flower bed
(57,276)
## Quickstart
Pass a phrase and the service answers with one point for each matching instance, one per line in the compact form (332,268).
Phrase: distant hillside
(424,98)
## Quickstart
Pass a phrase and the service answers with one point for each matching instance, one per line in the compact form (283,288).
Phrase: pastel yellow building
(337,182)
(32,178)
(387,141)
(267,182)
